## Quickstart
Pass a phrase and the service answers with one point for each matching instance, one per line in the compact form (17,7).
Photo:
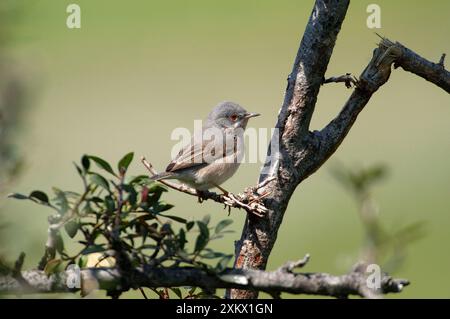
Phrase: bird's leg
(224,191)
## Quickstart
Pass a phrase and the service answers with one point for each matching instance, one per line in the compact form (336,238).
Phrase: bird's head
(230,115)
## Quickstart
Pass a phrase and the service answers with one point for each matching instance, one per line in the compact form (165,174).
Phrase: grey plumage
(208,162)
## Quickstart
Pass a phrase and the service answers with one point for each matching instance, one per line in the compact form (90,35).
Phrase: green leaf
(160,207)
(189,225)
(125,162)
(177,292)
(223,263)
(100,181)
(82,261)
(176,218)
(52,266)
(138,179)
(110,204)
(85,162)
(79,170)
(203,237)
(156,188)
(61,201)
(182,238)
(131,194)
(102,164)
(71,228)
(17,196)
(39,195)
(192,290)
(93,249)
(206,219)
(59,243)
(222,224)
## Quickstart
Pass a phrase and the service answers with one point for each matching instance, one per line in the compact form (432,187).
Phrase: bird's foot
(201,196)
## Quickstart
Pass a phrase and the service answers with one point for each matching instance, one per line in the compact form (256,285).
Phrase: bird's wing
(189,156)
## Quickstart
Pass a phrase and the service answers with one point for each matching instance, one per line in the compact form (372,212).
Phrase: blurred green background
(138,69)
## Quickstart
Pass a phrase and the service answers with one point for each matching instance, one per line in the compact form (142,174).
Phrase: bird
(214,154)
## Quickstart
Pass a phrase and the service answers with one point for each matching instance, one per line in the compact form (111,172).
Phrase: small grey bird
(212,158)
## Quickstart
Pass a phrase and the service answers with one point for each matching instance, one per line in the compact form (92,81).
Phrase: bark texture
(275,282)
(302,152)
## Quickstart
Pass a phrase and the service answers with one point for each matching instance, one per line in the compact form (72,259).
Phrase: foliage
(381,245)
(125,220)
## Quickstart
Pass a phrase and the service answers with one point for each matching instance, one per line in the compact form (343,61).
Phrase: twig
(347,78)
(291,265)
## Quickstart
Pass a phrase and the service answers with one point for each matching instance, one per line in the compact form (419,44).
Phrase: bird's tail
(160,176)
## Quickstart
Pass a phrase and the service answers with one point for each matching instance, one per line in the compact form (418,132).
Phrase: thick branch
(302,152)
(274,282)
(259,234)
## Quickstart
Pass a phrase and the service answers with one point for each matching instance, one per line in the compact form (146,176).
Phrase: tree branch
(373,77)
(414,63)
(275,282)
(302,152)
(259,234)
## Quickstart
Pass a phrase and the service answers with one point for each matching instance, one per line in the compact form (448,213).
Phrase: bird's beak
(249,115)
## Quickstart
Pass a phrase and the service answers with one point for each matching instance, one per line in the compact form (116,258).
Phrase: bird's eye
(234,117)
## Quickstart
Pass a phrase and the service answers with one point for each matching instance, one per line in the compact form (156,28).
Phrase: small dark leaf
(40,196)
(138,179)
(222,224)
(93,249)
(182,238)
(160,207)
(82,262)
(110,204)
(79,170)
(156,188)
(132,194)
(59,243)
(85,162)
(203,237)
(71,228)
(102,164)
(97,200)
(192,290)
(189,225)
(177,292)
(125,162)
(100,181)
(176,218)
(17,196)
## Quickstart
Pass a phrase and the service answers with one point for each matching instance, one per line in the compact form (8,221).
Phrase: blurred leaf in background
(12,101)
(380,246)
